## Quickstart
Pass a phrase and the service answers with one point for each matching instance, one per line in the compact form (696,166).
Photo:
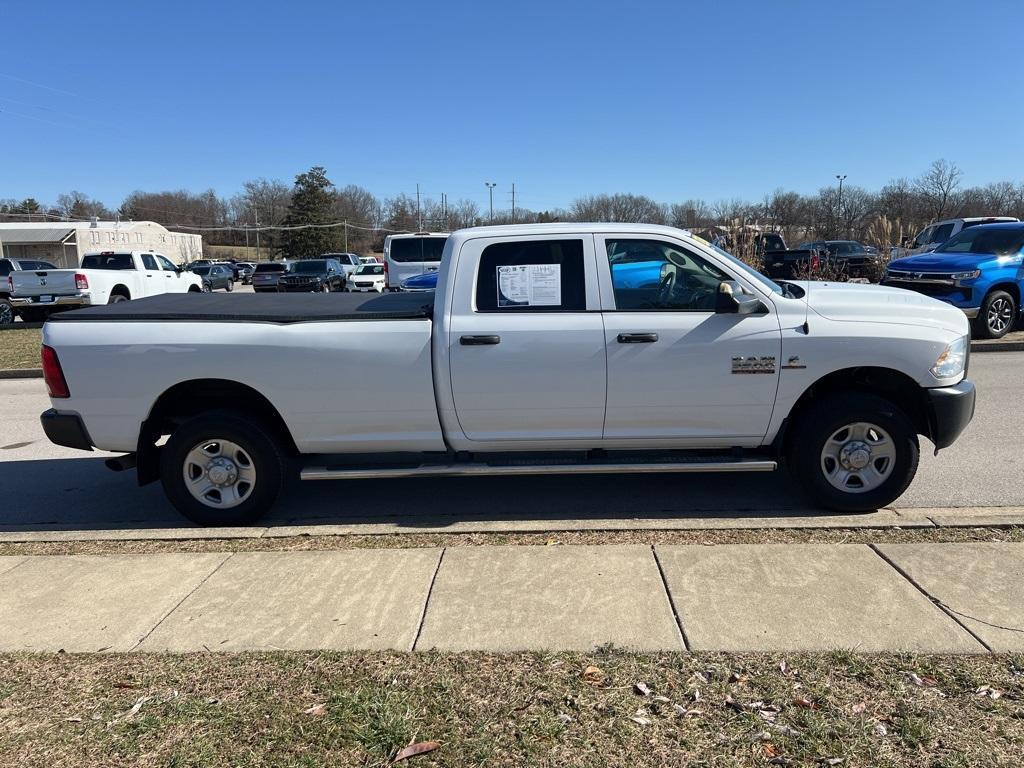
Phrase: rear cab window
(108,261)
(406,249)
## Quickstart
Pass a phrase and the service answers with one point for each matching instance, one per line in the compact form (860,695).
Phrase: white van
(412,254)
(934,235)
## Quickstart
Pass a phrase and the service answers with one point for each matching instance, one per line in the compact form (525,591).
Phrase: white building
(64,243)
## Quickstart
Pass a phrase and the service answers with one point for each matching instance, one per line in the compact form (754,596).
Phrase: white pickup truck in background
(103,278)
(561,348)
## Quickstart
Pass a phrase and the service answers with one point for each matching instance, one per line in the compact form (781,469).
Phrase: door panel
(534,372)
(683,384)
(676,368)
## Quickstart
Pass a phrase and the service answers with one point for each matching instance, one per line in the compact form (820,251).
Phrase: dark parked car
(7,312)
(317,275)
(266,275)
(860,260)
(214,276)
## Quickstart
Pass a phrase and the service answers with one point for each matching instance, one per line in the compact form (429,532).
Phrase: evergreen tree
(312,201)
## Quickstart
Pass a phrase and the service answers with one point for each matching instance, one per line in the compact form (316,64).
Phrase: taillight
(81,282)
(53,375)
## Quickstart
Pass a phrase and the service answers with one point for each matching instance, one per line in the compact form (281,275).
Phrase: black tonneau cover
(260,308)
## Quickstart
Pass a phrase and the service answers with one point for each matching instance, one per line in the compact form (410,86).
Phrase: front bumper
(65,429)
(950,410)
(75,299)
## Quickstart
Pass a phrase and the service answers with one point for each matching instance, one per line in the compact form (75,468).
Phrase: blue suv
(980,270)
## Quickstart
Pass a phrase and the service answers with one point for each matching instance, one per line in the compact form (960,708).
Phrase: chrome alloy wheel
(858,457)
(219,474)
(1000,315)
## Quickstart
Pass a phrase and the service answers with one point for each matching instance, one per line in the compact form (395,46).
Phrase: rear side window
(941,234)
(417,249)
(108,261)
(532,276)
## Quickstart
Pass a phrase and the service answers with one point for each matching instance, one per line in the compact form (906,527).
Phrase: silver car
(267,273)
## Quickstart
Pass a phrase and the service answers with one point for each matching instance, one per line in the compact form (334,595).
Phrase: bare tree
(620,207)
(938,186)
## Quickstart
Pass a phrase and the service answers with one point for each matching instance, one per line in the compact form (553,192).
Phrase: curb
(21,373)
(20,326)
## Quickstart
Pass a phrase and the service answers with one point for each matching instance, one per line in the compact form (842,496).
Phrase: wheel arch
(121,290)
(1010,287)
(191,398)
(889,383)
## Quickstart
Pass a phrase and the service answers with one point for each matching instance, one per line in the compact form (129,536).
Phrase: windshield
(996,241)
(416,249)
(750,272)
(271,268)
(310,267)
(370,269)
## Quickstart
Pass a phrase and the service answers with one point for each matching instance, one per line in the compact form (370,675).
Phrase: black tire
(260,444)
(824,419)
(230,286)
(6,313)
(997,317)
(117,298)
(207,288)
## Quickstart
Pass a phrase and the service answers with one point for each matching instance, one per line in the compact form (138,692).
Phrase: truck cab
(935,234)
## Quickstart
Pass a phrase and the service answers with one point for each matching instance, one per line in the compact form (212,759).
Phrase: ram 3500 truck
(531,357)
(107,277)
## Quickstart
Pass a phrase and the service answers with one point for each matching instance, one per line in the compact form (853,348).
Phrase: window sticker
(530,285)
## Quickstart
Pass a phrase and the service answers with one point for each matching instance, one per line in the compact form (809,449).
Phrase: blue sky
(673,100)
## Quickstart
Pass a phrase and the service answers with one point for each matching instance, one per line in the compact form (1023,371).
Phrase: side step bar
(463,470)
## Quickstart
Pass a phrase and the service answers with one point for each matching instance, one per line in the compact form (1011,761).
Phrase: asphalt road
(48,487)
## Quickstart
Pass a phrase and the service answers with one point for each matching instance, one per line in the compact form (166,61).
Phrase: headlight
(974,273)
(952,360)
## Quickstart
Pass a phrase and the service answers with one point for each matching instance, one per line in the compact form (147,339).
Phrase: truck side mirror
(731,299)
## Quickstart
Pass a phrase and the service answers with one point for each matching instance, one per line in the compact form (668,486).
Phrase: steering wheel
(667,286)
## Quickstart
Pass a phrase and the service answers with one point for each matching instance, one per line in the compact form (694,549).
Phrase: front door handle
(637,338)
(472,341)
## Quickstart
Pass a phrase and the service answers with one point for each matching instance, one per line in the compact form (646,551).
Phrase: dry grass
(19,347)
(413,540)
(257,709)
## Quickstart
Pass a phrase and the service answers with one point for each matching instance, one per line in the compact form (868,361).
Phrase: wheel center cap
(222,472)
(855,455)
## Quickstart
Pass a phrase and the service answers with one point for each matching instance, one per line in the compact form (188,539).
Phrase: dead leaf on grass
(641,689)
(770,750)
(859,707)
(922,681)
(804,703)
(316,709)
(640,720)
(593,675)
(419,748)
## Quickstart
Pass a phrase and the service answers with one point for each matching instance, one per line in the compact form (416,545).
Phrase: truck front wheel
(853,452)
(219,468)
(997,316)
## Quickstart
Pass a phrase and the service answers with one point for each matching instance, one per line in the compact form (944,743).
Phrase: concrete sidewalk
(936,598)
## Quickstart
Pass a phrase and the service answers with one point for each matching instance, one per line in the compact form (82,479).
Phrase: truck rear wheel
(6,312)
(220,468)
(853,452)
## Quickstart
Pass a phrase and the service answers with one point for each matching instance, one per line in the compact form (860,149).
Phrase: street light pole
(840,206)
(490,194)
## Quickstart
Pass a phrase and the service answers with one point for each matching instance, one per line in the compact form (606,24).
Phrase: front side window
(165,263)
(995,242)
(923,237)
(532,276)
(651,275)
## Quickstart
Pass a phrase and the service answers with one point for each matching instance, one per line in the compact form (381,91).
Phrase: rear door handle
(472,341)
(637,338)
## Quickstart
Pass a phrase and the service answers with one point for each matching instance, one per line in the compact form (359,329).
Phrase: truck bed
(278,308)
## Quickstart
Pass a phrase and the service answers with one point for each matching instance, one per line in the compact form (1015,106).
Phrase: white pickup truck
(103,278)
(563,348)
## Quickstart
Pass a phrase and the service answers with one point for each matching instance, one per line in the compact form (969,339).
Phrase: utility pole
(419,216)
(246,225)
(444,210)
(840,206)
(256,213)
(490,193)
(346,235)
(513,202)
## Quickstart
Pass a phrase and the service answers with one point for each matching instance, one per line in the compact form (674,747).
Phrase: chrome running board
(463,470)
